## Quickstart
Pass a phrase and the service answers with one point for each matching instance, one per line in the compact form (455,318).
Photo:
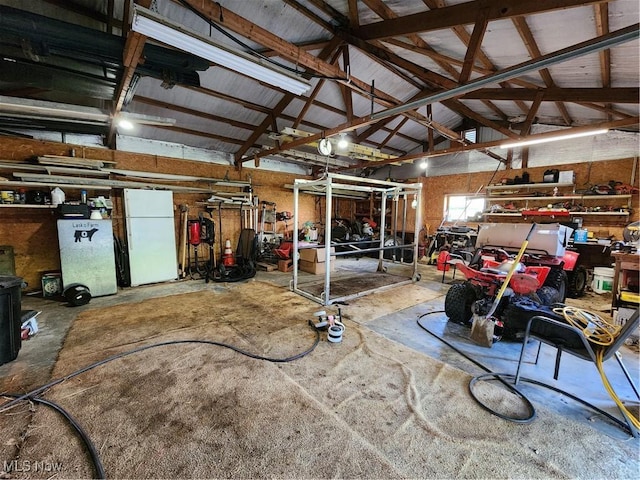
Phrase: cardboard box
(312,260)
(549,238)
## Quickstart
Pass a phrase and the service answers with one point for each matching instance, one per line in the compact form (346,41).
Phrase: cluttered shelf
(533,200)
(552,213)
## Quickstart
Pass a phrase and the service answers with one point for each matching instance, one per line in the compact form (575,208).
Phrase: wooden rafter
(385,12)
(473,47)
(531,116)
(532,47)
(196,113)
(287,50)
(495,143)
(394,131)
(461,14)
(346,93)
(132,54)
(602,27)
(465,38)
(314,93)
(279,108)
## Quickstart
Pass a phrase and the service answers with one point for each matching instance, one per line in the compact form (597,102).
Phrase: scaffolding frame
(333,184)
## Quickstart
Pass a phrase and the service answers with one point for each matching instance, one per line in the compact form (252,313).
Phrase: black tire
(557,279)
(577,282)
(548,295)
(458,302)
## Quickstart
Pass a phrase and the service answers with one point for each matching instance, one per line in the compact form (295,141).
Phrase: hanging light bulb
(414,203)
(125,124)
(343,143)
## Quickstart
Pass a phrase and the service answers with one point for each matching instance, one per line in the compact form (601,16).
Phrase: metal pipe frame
(345,182)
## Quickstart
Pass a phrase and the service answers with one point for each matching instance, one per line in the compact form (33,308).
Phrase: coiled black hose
(34,395)
(503,377)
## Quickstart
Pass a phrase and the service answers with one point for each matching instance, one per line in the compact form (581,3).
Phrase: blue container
(580,235)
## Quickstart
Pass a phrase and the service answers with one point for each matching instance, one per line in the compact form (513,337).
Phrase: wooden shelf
(625,214)
(529,213)
(26,205)
(528,204)
(69,186)
(563,197)
(528,186)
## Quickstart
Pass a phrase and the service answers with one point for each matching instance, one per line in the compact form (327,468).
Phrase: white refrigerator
(86,255)
(151,240)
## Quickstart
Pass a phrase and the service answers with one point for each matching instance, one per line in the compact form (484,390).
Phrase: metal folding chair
(536,325)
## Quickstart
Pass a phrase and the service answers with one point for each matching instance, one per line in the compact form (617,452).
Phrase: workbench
(627,265)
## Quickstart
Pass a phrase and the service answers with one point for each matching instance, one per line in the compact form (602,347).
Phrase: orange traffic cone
(227,258)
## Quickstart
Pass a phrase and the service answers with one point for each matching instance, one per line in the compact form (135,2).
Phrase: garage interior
(311,238)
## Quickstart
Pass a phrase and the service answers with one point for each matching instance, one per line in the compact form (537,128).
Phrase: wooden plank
(267,266)
(73,161)
(177,178)
(99,182)
(78,186)
(461,14)
(8,165)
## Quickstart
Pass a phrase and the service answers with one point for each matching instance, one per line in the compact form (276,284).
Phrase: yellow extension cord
(600,333)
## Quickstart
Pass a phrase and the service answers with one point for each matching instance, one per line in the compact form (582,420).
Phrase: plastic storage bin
(10,318)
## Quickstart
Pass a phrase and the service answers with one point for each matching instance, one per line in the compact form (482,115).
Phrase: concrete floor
(37,356)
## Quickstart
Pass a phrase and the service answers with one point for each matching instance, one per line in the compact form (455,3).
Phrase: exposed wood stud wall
(435,189)
(33,232)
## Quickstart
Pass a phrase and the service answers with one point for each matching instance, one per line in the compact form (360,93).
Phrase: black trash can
(10,318)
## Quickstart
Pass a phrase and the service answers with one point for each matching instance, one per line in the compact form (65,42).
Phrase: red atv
(486,273)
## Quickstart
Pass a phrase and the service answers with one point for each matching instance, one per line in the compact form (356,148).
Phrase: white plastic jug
(57,196)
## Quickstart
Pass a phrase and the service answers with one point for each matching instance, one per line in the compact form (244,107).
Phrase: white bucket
(602,279)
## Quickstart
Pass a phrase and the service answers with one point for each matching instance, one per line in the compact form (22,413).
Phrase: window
(469,135)
(462,207)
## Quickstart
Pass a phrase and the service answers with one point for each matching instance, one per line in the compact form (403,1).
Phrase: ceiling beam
(627,122)
(461,14)
(385,12)
(196,113)
(277,110)
(230,20)
(386,57)
(198,133)
(593,45)
(473,48)
(531,116)
(346,93)
(132,54)
(532,47)
(602,27)
(582,48)
(316,90)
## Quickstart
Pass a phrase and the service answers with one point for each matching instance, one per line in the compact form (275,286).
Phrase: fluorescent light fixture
(159,28)
(554,138)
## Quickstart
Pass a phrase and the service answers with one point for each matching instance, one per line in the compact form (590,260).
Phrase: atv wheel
(577,282)
(548,295)
(458,302)
(557,279)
